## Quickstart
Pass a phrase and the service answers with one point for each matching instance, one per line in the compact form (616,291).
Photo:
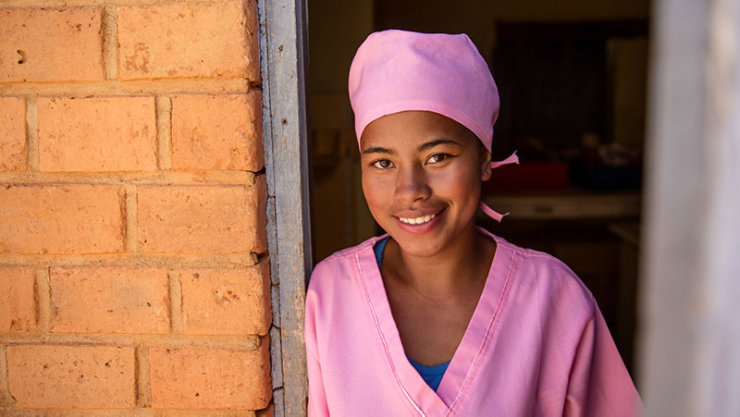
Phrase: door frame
(283,63)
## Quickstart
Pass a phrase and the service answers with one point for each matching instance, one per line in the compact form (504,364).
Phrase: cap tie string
(512,159)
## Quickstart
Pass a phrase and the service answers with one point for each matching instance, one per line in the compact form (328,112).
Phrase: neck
(463,263)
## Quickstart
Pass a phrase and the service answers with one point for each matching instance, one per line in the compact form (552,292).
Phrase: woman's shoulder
(346,255)
(536,259)
(536,269)
(341,265)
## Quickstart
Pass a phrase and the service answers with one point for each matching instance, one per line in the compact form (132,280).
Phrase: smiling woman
(421,175)
(440,317)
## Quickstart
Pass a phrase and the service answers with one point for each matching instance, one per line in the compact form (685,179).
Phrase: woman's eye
(382,164)
(437,158)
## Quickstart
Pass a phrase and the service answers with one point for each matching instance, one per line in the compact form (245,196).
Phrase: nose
(412,185)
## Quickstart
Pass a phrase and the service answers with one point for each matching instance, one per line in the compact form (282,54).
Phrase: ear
(485,168)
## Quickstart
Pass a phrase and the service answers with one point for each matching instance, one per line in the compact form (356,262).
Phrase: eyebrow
(422,147)
(378,149)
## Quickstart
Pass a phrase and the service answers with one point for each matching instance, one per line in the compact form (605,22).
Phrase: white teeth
(417,220)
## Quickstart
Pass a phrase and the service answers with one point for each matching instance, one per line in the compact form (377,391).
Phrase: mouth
(420,223)
(417,220)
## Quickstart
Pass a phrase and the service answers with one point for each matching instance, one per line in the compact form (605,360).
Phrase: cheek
(374,191)
(463,182)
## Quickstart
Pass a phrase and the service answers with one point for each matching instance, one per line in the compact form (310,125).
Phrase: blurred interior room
(572,76)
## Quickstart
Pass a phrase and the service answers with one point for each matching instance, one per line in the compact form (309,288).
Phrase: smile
(417,220)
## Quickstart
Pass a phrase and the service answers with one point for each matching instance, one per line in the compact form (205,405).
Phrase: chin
(419,246)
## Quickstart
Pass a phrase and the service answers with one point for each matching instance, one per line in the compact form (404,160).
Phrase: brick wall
(133,270)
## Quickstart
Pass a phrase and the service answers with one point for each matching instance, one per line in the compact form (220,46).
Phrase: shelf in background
(567,206)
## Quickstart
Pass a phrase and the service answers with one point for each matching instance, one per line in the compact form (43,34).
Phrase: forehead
(414,127)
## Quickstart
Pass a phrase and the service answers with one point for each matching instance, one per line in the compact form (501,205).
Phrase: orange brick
(65,219)
(226,301)
(50,44)
(210,378)
(12,133)
(97,134)
(17,303)
(160,41)
(71,376)
(201,219)
(217,132)
(109,300)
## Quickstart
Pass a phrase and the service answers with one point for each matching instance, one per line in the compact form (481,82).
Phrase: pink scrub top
(536,345)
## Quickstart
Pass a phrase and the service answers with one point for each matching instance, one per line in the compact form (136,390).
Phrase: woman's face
(421,175)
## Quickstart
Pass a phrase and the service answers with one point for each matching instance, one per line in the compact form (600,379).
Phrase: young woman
(440,317)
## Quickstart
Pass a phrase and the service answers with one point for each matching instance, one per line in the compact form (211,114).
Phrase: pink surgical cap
(396,70)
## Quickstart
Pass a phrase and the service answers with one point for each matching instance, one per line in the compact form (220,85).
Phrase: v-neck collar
(462,371)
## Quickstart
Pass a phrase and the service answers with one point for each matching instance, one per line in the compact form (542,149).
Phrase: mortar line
(239,179)
(93,3)
(5,398)
(163,116)
(131,219)
(246,343)
(130,87)
(175,287)
(110,42)
(32,133)
(225,261)
(43,299)
(143,378)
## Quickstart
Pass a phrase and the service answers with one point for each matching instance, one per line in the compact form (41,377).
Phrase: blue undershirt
(432,375)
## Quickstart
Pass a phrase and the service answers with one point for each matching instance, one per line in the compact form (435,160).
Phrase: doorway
(573,84)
